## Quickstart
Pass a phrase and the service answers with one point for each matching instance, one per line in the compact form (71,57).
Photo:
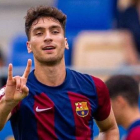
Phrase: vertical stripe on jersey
(83,130)
(64,119)
(46,128)
(104,104)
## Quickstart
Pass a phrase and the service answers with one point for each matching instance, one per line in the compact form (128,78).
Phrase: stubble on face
(51,61)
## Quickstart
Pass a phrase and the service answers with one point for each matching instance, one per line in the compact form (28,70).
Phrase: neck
(50,75)
(130,116)
(138,8)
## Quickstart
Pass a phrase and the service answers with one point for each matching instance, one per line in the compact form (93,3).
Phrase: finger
(28,68)
(23,81)
(10,72)
(24,90)
(18,82)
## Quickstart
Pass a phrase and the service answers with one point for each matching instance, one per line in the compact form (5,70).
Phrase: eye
(55,31)
(39,34)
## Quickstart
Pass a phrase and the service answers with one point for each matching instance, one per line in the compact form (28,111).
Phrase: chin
(52,62)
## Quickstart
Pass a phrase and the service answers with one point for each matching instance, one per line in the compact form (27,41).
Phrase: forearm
(14,91)
(5,110)
(112,134)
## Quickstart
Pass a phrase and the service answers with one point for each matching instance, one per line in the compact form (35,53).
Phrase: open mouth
(48,48)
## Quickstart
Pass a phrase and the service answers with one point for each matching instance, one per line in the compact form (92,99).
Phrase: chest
(61,105)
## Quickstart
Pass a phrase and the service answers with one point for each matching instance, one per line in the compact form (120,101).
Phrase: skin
(49,64)
(50,70)
(128,113)
(108,128)
(15,91)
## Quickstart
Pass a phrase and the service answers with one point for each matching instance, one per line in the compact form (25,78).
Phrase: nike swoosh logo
(40,110)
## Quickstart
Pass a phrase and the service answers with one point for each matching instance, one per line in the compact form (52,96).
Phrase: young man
(61,103)
(124,93)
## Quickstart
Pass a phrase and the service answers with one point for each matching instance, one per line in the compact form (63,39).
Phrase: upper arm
(108,123)
(108,128)
(104,103)
(104,115)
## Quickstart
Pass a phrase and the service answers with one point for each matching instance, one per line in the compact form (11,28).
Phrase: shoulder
(79,77)
(83,75)
(76,73)
(101,88)
(104,104)
(134,133)
(130,11)
(94,81)
(100,85)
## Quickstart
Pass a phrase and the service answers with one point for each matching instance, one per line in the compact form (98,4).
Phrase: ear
(121,101)
(66,44)
(29,48)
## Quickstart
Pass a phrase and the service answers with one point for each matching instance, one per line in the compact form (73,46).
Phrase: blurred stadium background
(96,46)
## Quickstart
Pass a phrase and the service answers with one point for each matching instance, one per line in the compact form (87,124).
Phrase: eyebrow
(55,26)
(51,27)
(37,28)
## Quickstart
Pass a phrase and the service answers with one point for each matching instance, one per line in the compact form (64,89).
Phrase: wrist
(7,103)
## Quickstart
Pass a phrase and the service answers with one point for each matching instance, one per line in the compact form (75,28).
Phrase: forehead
(45,21)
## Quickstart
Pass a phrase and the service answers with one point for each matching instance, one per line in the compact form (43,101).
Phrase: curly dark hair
(135,2)
(35,13)
(125,86)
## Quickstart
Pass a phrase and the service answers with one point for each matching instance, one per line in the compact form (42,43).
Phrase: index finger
(10,72)
(28,68)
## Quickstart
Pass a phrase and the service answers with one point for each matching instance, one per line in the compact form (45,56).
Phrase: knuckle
(17,77)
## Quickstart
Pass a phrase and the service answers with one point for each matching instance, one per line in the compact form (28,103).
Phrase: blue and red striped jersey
(133,132)
(64,112)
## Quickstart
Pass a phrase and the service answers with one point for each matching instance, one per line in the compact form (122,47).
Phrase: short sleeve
(104,104)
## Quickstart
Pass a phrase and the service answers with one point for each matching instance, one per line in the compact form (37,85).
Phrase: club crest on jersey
(82,109)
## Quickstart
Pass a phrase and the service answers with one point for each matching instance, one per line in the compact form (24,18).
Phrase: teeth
(48,48)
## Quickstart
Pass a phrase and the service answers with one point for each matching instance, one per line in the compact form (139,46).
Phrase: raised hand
(16,88)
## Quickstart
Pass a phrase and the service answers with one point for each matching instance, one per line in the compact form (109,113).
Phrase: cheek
(35,43)
(61,40)
(37,39)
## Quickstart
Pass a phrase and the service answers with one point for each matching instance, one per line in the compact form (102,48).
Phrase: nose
(47,37)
